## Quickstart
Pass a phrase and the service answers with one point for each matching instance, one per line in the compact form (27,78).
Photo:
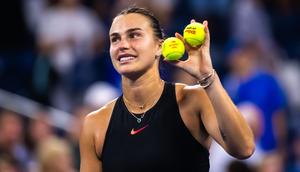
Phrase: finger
(186,45)
(193,21)
(207,34)
(179,36)
(177,63)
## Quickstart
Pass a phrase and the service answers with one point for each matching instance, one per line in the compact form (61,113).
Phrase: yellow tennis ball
(194,34)
(173,48)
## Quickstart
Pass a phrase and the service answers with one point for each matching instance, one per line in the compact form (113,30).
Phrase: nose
(124,44)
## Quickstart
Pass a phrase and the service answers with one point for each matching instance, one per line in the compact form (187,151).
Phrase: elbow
(246,151)
(243,150)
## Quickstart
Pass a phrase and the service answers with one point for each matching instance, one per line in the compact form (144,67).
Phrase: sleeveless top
(161,142)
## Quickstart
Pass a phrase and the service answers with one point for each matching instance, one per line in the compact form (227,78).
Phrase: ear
(159,48)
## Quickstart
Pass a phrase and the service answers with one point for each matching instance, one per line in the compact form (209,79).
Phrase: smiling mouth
(126,59)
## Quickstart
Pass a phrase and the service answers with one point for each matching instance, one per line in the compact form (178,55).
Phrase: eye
(114,39)
(134,35)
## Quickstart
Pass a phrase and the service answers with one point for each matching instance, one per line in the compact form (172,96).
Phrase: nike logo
(134,132)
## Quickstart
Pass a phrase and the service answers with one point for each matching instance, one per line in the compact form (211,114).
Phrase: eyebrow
(128,31)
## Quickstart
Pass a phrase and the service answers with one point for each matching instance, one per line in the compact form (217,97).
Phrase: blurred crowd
(56,52)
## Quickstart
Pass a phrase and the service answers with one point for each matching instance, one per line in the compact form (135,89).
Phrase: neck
(143,91)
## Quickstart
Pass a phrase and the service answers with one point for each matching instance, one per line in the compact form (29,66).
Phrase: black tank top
(161,142)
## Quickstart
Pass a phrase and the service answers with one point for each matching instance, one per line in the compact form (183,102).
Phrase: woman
(154,125)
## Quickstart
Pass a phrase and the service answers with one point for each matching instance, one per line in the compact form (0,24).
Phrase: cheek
(147,49)
(113,54)
(112,51)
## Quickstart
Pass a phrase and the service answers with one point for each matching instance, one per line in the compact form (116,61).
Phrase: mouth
(124,58)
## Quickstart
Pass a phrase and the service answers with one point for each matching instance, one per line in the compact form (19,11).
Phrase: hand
(199,62)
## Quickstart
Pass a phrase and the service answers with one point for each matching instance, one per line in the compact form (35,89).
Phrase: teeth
(122,59)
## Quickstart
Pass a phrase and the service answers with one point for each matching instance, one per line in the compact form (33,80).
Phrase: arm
(89,161)
(225,124)
(234,134)
(92,138)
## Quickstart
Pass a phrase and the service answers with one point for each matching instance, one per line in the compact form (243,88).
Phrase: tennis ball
(173,48)
(194,34)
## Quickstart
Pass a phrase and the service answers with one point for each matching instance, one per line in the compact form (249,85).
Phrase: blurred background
(55,68)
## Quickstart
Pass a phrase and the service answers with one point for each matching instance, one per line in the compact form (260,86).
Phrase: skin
(132,35)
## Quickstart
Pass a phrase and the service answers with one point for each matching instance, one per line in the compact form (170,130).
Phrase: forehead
(128,21)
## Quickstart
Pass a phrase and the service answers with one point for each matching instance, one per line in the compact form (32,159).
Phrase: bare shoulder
(101,115)
(184,92)
(95,125)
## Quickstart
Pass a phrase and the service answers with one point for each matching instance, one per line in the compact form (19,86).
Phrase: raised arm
(226,125)
(233,134)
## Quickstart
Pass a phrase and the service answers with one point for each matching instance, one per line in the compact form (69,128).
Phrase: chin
(133,74)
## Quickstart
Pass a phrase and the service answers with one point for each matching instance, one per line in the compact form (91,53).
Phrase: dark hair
(158,32)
